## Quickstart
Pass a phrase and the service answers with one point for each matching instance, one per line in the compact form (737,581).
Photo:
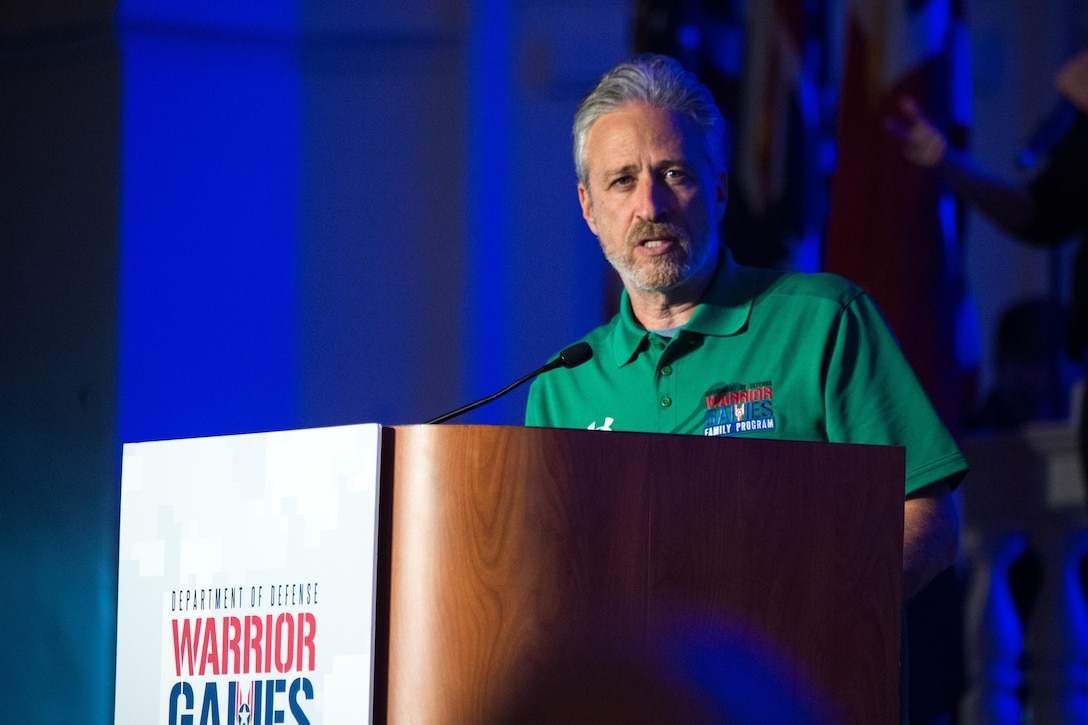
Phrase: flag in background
(778,179)
(892,228)
(774,39)
(764,61)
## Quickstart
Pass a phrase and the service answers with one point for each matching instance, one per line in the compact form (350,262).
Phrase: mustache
(644,230)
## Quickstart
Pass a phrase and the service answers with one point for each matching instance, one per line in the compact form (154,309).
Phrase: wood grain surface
(519,556)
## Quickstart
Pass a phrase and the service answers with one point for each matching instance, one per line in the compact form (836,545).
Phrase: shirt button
(666,402)
(666,371)
(658,345)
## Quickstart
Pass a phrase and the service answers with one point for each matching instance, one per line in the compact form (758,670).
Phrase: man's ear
(722,192)
(587,207)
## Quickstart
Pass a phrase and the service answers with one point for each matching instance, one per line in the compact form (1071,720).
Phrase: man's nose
(653,199)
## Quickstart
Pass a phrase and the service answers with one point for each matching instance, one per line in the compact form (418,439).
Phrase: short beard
(655,274)
(659,274)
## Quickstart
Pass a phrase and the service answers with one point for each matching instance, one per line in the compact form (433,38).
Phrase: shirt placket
(664,383)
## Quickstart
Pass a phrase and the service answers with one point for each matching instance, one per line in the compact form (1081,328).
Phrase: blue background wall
(231,217)
(331,216)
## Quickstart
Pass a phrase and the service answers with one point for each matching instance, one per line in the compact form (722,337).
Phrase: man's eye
(622,180)
(676,174)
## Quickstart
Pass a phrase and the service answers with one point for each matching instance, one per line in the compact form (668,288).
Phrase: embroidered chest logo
(739,408)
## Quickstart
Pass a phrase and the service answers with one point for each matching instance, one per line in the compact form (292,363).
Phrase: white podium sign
(246,578)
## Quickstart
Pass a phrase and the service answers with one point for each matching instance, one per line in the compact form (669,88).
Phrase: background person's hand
(922,142)
(1072,81)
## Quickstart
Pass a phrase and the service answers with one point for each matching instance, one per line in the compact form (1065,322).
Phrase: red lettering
(307,628)
(185,645)
(268,642)
(253,644)
(285,643)
(209,651)
(232,645)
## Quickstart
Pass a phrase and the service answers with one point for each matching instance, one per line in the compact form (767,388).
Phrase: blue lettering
(211,705)
(178,691)
(272,716)
(264,693)
(713,415)
(307,689)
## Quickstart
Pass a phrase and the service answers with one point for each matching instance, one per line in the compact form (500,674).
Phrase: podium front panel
(525,561)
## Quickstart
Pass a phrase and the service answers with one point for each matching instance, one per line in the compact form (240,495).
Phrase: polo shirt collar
(723,311)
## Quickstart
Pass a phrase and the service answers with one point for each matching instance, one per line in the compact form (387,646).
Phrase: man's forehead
(640,115)
(622,138)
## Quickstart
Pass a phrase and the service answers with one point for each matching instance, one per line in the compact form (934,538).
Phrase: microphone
(1047,134)
(571,357)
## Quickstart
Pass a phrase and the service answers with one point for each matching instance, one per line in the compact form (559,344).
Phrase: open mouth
(656,246)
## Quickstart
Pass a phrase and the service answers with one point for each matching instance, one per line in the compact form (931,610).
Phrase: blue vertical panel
(487,203)
(556,266)
(266,17)
(209,235)
(382,225)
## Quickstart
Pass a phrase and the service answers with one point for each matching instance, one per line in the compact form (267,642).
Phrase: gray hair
(658,81)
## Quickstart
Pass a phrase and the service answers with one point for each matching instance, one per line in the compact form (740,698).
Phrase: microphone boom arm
(473,406)
(574,355)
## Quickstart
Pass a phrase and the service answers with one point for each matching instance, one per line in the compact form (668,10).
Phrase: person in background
(1046,210)
(1029,383)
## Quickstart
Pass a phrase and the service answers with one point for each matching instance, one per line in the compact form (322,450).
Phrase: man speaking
(704,346)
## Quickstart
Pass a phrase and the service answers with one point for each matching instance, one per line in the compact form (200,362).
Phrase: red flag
(892,227)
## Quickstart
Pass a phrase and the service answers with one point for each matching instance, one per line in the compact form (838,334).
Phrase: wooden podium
(521,570)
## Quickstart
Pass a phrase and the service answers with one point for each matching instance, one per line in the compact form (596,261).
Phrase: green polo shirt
(767,354)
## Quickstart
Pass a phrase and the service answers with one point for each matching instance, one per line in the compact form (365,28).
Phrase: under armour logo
(607,424)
